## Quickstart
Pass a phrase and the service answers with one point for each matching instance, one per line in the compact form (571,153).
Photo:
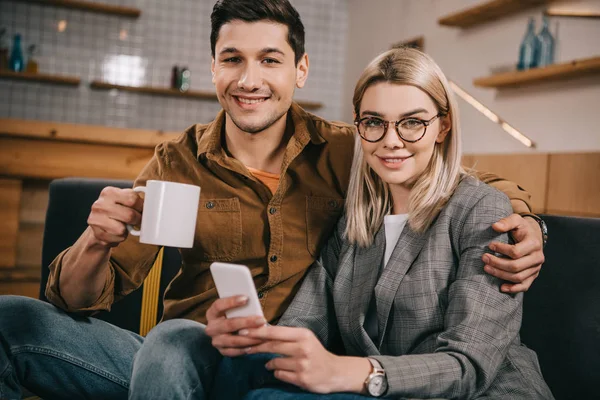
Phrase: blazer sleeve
(312,307)
(480,322)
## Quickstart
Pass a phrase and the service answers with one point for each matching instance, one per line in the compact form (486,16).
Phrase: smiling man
(273,179)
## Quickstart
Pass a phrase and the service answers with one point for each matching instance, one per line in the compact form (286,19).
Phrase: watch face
(377,385)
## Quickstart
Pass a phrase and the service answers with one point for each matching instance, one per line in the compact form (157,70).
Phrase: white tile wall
(167,33)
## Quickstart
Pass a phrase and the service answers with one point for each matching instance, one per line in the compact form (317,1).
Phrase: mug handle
(130,228)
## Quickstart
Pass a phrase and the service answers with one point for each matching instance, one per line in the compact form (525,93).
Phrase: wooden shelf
(190,94)
(44,78)
(92,6)
(553,72)
(488,11)
(572,12)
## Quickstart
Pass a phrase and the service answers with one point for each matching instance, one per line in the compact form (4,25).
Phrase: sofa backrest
(561,316)
(69,205)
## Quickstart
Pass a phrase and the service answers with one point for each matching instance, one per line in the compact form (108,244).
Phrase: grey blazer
(445,329)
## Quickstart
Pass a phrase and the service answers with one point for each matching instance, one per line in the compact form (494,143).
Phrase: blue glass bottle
(545,43)
(529,48)
(16,62)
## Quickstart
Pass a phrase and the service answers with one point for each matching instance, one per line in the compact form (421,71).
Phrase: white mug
(169,215)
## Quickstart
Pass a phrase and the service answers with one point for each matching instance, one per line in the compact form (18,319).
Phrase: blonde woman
(401,284)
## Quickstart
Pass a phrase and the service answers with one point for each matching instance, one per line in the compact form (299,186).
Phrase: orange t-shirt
(269,179)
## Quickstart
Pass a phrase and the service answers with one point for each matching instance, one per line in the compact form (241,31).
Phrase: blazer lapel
(364,278)
(406,251)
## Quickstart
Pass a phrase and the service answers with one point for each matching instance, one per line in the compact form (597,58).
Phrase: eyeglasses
(411,129)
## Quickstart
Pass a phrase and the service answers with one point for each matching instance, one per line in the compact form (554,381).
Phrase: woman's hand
(306,363)
(223,331)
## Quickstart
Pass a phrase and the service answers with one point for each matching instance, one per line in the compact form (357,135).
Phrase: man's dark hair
(280,11)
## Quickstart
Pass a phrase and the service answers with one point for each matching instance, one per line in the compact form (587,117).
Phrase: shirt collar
(209,139)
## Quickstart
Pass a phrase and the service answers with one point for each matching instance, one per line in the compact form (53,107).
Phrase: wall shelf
(43,78)
(488,11)
(91,6)
(190,94)
(553,72)
(572,12)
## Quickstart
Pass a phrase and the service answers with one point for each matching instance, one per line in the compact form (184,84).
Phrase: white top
(393,228)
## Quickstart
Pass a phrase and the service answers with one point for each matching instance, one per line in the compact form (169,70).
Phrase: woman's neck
(400,197)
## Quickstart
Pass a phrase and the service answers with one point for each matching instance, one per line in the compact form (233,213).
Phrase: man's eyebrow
(229,50)
(267,50)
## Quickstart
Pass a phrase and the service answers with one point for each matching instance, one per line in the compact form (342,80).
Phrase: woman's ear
(445,126)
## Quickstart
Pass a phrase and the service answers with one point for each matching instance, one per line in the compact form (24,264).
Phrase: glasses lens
(371,128)
(411,128)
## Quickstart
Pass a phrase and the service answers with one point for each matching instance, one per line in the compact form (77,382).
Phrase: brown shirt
(277,235)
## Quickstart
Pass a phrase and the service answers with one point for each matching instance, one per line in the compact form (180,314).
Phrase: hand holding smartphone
(236,280)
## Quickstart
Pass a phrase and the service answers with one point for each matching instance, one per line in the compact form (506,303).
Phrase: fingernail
(492,247)
(243,332)
(487,269)
(248,350)
(242,299)
(260,321)
(486,258)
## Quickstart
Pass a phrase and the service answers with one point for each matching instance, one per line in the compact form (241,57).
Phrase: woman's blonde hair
(369,198)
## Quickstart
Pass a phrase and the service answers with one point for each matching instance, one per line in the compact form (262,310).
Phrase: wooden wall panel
(10,201)
(530,171)
(29,247)
(29,289)
(47,159)
(574,187)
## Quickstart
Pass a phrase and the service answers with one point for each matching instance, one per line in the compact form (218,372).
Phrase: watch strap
(541,223)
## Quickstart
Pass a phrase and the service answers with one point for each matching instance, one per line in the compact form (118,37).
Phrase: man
(273,181)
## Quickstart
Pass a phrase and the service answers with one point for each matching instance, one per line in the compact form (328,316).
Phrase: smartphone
(236,280)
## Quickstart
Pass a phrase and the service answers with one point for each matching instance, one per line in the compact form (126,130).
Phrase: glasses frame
(386,126)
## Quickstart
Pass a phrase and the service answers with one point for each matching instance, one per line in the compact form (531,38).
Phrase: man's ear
(302,71)
(445,126)
(212,70)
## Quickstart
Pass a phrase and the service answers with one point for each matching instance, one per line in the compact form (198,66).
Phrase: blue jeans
(247,378)
(63,356)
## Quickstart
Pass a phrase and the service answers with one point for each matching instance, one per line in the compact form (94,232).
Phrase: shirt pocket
(219,233)
(322,214)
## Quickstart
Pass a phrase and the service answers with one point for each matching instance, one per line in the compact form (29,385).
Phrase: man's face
(255,74)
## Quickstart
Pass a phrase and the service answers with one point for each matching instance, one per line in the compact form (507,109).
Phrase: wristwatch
(542,224)
(376,383)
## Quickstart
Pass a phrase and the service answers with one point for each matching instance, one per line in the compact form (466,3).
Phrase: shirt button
(261,295)
(332,203)
(210,204)
(272,210)
(273,258)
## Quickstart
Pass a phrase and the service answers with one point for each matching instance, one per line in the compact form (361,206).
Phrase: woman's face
(397,162)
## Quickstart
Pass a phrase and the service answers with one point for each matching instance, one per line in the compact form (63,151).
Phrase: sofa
(561,310)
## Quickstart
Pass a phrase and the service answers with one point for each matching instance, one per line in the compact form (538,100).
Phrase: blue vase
(529,47)
(545,43)
(16,62)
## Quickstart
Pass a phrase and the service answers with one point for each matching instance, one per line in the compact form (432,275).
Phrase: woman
(401,285)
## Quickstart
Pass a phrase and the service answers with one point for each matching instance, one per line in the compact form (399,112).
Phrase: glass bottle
(32,65)
(545,43)
(184,83)
(528,50)
(16,55)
